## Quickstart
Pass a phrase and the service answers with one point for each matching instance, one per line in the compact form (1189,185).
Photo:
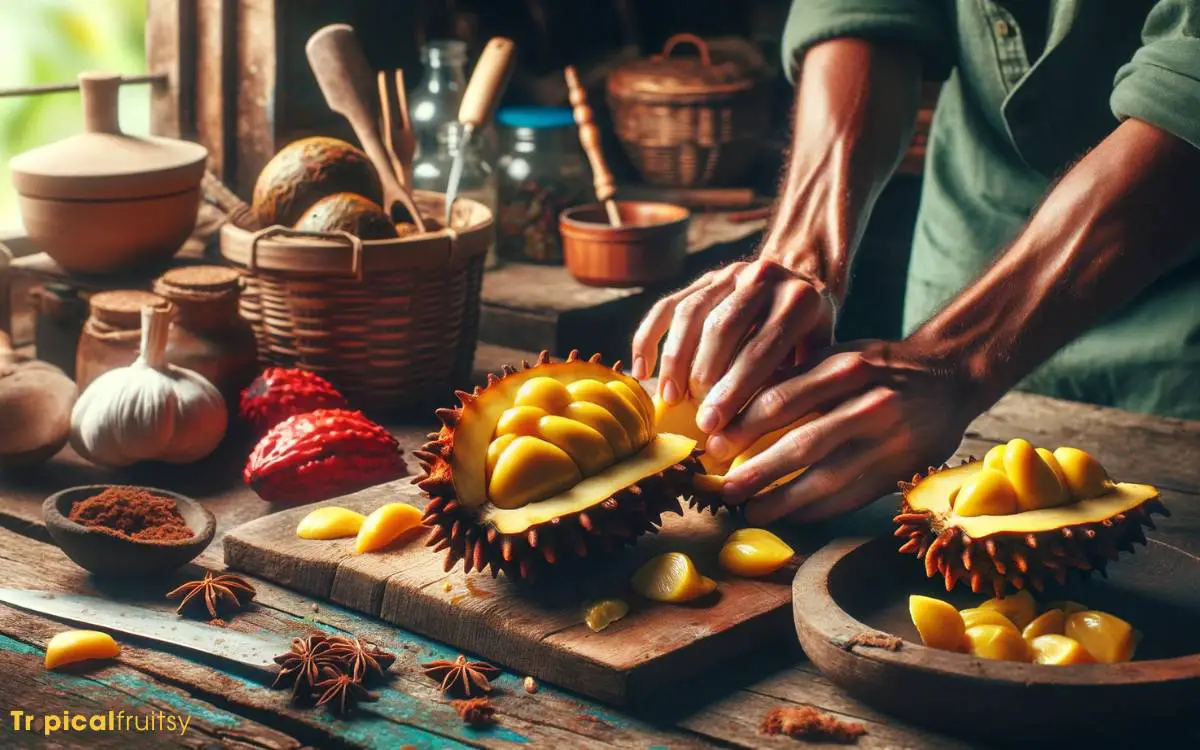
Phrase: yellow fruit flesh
(1058,650)
(1109,639)
(330,523)
(988,493)
(997,642)
(937,622)
(604,613)
(1035,483)
(671,577)
(1019,608)
(1084,475)
(385,525)
(977,616)
(994,458)
(1050,622)
(1068,607)
(79,645)
(754,552)
(530,469)
(1052,462)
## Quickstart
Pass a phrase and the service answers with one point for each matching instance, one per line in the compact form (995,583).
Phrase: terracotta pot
(649,248)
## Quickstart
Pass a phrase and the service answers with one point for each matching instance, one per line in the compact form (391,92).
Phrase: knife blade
(254,652)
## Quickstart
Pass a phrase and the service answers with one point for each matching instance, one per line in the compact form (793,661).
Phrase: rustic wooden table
(724,710)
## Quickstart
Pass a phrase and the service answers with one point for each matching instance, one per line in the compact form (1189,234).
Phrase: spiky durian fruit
(1021,517)
(553,461)
(680,419)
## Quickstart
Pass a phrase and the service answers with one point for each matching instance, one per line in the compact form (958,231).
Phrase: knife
(252,652)
(479,101)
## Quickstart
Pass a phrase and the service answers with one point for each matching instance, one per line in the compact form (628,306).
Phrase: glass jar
(478,180)
(435,99)
(207,334)
(542,170)
(112,334)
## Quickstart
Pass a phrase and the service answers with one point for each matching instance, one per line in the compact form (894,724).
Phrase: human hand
(887,410)
(728,332)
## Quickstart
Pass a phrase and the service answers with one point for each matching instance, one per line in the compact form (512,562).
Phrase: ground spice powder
(132,513)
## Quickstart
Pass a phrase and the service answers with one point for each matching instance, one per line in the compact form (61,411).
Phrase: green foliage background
(51,41)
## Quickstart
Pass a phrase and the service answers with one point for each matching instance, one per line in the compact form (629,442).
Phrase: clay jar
(208,335)
(112,334)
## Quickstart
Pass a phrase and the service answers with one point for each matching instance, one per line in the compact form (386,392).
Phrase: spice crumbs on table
(531,685)
(807,723)
(217,622)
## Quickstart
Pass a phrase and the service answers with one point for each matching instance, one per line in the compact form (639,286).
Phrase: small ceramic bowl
(106,554)
(649,248)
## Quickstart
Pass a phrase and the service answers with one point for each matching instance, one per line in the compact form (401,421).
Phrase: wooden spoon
(589,138)
(35,408)
(345,78)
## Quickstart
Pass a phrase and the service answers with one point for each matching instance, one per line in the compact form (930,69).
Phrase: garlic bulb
(150,410)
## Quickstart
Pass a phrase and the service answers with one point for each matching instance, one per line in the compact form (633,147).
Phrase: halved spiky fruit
(1021,517)
(553,461)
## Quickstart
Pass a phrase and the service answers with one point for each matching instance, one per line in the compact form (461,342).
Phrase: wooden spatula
(589,138)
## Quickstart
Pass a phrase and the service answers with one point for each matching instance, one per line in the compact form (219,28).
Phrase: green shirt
(1007,125)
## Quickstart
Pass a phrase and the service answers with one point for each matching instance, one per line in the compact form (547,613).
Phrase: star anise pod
(461,677)
(214,592)
(475,712)
(364,660)
(341,691)
(301,667)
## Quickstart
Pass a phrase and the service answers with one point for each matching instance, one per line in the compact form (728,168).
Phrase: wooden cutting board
(536,630)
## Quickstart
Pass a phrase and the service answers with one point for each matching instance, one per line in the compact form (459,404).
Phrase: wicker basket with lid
(691,121)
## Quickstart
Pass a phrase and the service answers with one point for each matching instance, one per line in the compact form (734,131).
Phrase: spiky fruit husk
(1017,560)
(613,523)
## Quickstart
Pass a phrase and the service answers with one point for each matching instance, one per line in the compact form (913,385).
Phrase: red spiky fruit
(282,392)
(322,454)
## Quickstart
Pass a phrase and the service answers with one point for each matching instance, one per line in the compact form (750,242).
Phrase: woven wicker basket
(392,323)
(690,122)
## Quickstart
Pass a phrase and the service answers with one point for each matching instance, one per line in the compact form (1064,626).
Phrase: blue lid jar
(536,118)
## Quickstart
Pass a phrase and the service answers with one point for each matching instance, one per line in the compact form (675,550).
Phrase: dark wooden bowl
(858,585)
(105,554)
(648,248)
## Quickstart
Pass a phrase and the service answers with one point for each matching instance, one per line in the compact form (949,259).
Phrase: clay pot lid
(102,163)
(667,73)
(123,308)
(200,279)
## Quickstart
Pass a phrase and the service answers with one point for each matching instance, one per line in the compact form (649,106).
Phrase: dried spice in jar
(112,334)
(132,513)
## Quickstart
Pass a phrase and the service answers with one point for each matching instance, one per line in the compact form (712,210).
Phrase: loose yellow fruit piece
(671,577)
(997,642)
(937,622)
(1059,650)
(385,525)
(1020,608)
(330,523)
(1108,638)
(1036,484)
(988,493)
(1084,475)
(79,645)
(978,616)
(754,552)
(1050,622)
(604,613)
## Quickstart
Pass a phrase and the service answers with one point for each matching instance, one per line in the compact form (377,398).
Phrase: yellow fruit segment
(988,493)
(978,616)
(595,392)
(1068,607)
(1052,462)
(1108,638)
(1058,650)
(80,645)
(636,399)
(671,577)
(586,447)
(330,523)
(495,450)
(937,622)
(1020,608)
(385,525)
(994,458)
(1050,622)
(1084,476)
(531,469)
(601,421)
(604,613)
(754,552)
(520,420)
(1035,483)
(545,393)
(997,642)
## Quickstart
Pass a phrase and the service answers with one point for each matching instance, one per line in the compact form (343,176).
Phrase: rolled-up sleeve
(1161,84)
(921,23)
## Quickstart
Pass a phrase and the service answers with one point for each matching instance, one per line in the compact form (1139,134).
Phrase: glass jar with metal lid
(542,170)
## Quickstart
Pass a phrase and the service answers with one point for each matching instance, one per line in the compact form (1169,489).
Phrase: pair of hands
(753,340)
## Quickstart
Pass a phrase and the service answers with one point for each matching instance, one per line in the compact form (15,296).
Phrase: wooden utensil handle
(589,136)
(100,92)
(487,83)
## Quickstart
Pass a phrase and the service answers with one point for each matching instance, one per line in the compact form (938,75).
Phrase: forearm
(856,103)
(1120,219)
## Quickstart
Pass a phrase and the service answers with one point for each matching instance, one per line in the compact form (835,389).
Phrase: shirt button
(1002,28)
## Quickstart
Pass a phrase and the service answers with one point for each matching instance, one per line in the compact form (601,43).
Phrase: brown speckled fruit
(348,212)
(307,170)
